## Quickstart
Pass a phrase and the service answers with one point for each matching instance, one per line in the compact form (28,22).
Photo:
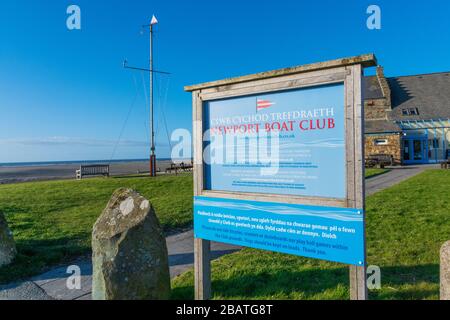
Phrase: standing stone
(7,245)
(129,252)
(445,271)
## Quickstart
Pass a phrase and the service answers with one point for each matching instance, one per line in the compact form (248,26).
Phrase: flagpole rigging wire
(147,106)
(161,103)
(131,107)
(146,109)
(136,94)
(164,115)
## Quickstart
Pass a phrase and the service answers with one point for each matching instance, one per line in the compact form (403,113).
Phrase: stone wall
(379,109)
(393,146)
(376,109)
(384,84)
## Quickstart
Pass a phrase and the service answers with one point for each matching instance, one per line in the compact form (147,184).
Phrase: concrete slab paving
(59,290)
(61,272)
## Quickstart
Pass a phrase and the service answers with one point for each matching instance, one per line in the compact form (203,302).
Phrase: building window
(413,111)
(434,143)
(381,142)
(410,112)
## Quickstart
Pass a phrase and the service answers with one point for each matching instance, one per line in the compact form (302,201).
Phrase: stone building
(408,117)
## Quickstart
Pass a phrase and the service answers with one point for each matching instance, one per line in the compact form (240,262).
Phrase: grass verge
(52,221)
(373,172)
(406,225)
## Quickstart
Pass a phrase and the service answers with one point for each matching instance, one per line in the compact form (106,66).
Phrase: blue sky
(65,96)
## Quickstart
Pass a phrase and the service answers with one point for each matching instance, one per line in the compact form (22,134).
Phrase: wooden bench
(181,167)
(92,170)
(379,160)
(445,164)
(186,167)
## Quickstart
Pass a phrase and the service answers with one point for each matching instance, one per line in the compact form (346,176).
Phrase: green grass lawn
(406,225)
(372,172)
(52,221)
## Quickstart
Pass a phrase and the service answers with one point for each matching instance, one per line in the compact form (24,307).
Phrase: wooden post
(202,248)
(355,169)
(202,269)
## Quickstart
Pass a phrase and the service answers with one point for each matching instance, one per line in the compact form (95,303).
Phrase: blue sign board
(281,143)
(298,140)
(334,234)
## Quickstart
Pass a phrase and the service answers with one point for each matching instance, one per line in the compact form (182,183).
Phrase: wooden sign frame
(348,71)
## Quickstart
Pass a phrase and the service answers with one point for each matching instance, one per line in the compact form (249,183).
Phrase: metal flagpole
(151,71)
(152,148)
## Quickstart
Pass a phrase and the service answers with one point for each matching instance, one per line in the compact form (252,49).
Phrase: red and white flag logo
(263,104)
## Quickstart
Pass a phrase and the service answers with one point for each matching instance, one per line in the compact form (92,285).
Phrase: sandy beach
(15,174)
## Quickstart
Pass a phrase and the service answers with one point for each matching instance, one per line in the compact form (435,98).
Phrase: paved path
(52,284)
(396,175)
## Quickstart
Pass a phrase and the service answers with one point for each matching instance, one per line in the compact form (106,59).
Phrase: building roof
(429,93)
(372,89)
(381,126)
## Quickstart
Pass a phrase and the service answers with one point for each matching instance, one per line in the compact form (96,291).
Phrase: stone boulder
(8,249)
(129,252)
(445,271)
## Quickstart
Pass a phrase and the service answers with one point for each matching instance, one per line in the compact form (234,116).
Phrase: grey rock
(445,271)
(129,252)
(8,249)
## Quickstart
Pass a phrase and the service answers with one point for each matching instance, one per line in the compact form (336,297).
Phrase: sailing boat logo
(262,104)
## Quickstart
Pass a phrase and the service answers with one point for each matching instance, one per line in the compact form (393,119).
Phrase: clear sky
(65,96)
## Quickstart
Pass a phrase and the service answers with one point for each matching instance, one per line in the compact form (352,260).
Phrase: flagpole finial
(154,20)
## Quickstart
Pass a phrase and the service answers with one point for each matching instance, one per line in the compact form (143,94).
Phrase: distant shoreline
(70,162)
(66,170)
